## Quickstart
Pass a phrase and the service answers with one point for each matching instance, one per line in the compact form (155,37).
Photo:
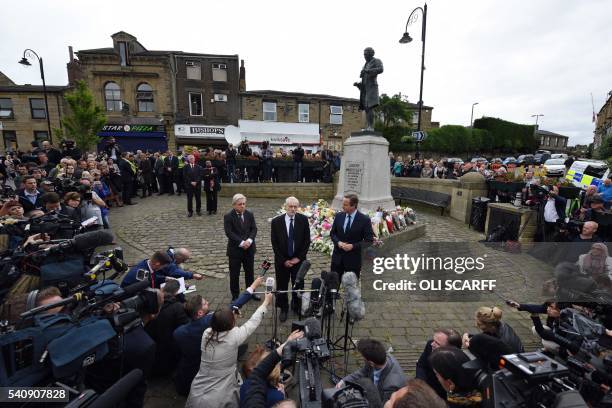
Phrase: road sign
(419,136)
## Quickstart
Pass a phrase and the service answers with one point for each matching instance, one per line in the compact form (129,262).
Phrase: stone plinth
(527,220)
(365,171)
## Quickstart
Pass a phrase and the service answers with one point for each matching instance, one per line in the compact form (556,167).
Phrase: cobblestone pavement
(403,320)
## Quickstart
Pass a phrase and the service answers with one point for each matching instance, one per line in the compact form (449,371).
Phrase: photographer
(256,390)
(50,202)
(441,338)
(488,320)
(91,203)
(416,394)
(382,368)
(554,210)
(152,267)
(188,337)
(68,150)
(551,309)
(218,381)
(71,207)
(459,383)
(112,149)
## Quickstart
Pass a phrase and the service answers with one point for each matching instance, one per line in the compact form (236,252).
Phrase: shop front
(279,134)
(202,136)
(132,137)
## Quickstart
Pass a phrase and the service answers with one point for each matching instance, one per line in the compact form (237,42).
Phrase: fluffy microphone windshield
(352,296)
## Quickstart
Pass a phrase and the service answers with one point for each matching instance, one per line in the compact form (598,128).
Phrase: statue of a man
(368,87)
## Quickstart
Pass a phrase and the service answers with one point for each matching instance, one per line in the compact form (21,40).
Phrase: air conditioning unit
(220,98)
(190,63)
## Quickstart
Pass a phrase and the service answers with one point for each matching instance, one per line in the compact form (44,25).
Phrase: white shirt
(550,212)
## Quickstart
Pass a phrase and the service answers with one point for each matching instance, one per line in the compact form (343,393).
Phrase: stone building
(554,142)
(135,86)
(288,118)
(603,126)
(23,115)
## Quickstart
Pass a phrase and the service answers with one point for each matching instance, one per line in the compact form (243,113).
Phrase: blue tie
(348,224)
(290,240)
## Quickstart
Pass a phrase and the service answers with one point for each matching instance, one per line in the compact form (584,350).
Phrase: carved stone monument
(364,167)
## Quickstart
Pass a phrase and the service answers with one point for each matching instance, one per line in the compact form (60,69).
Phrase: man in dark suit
(192,175)
(170,169)
(212,185)
(240,229)
(29,196)
(128,173)
(290,242)
(350,229)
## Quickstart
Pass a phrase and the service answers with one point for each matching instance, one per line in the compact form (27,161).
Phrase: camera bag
(80,346)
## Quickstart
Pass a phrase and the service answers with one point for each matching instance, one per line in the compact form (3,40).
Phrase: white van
(584,173)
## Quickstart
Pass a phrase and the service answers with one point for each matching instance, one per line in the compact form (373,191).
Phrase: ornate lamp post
(472,116)
(412,18)
(28,53)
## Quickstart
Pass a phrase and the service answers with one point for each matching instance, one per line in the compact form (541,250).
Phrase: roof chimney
(242,80)
(70,54)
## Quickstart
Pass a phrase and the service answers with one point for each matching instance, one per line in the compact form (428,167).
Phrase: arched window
(144,96)
(112,95)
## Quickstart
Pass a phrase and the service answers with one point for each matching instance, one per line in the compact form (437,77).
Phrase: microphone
(130,290)
(301,273)
(312,328)
(352,296)
(332,281)
(83,242)
(118,391)
(269,284)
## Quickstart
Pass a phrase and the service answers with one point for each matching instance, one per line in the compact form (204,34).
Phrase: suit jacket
(211,174)
(279,237)
(361,230)
(172,164)
(368,97)
(236,232)
(391,379)
(127,173)
(192,174)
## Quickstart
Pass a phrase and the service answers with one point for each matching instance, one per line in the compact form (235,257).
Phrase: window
(37,108)
(547,140)
(40,136)
(335,114)
(556,141)
(6,108)
(112,95)
(269,111)
(219,72)
(415,118)
(220,98)
(123,53)
(195,104)
(303,113)
(144,96)
(194,70)
(10,139)
(541,140)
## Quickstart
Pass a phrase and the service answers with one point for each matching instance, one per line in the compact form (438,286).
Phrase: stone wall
(303,191)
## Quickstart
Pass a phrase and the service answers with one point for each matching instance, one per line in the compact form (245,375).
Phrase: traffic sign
(419,135)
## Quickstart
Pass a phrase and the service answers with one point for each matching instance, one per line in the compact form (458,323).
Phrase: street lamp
(472,117)
(537,116)
(412,18)
(28,53)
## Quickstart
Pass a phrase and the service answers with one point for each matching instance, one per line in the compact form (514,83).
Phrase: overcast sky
(516,58)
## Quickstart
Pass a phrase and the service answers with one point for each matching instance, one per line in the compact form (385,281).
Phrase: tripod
(346,338)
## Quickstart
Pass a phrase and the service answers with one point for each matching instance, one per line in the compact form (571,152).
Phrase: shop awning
(279,133)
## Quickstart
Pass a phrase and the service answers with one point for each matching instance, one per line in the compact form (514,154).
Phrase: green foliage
(84,120)
(507,136)
(604,152)
(454,139)
(399,137)
(394,110)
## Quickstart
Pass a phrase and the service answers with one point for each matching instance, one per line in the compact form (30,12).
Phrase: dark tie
(242,218)
(290,240)
(348,225)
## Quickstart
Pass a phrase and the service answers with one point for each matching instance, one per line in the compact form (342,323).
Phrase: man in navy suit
(240,230)
(350,229)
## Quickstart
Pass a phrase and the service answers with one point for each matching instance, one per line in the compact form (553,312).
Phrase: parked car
(584,173)
(453,160)
(558,156)
(525,159)
(555,167)
(509,160)
(542,152)
(541,157)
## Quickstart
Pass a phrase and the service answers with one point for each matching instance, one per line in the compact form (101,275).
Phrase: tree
(394,110)
(84,120)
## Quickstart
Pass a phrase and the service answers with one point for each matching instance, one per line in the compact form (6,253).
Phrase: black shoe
(190,214)
(199,213)
(283,316)
(256,297)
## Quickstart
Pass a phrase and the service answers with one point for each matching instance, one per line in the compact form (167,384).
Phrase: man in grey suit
(368,87)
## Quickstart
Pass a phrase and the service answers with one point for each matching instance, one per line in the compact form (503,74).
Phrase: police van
(584,173)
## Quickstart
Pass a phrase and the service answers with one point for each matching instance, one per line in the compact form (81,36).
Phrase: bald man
(290,241)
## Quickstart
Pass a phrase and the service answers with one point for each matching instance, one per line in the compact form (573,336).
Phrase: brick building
(603,126)
(23,114)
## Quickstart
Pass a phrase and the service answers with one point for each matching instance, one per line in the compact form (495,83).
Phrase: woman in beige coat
(217,384)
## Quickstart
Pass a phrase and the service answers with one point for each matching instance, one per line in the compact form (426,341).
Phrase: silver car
(555,167)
